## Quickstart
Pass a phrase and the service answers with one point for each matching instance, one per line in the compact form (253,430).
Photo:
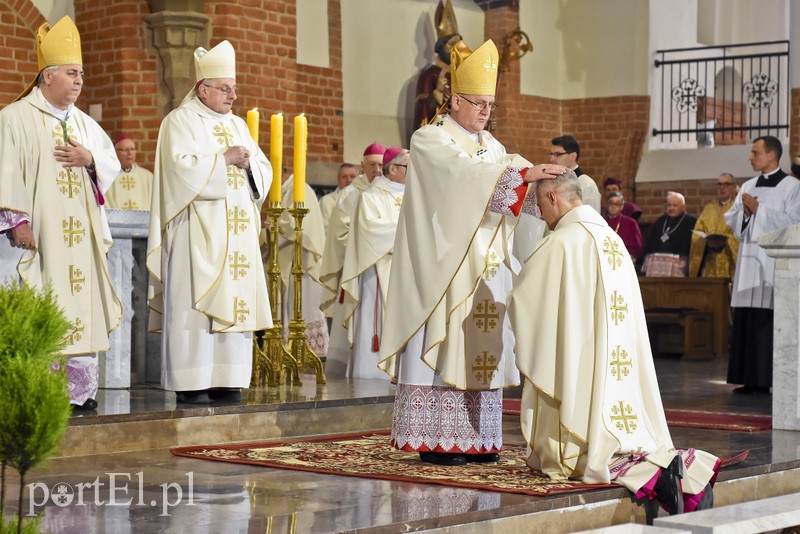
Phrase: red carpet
(738,422)
(371,456)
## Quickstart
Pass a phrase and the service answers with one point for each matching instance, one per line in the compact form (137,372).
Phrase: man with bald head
(672,232)
(133,188)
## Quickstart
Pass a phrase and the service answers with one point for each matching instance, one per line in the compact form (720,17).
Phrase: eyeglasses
(480,105)
(399,165)
(557,154)
(225,90)
(725,184)
(616,204)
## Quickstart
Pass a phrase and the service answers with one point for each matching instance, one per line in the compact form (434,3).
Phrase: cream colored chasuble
(132,190)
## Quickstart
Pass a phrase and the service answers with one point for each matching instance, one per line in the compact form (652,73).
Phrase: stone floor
(170,494)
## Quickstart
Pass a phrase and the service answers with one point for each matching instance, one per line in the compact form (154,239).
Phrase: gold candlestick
(301,353)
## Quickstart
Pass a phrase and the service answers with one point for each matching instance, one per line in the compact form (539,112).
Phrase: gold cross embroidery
(223,135)
(62,132)
(77,332)
(237,220)
(130,205)
(240,310)
(69,183)
(235,177)
(485,367)
(612,251)
(128,182)
(73,231)
(491,266)
(618,308)
(73,39)
(76,279)
(238,265)
(486,316)
(620,363)
(490,65)
(622,415)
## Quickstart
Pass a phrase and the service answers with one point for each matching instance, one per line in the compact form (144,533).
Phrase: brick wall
(795,122)
(18,65)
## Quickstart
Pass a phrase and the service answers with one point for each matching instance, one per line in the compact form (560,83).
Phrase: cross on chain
(622,415)
(486,316)
(235,177)
(618,308)
(237,220)
(128,182)
(73,231)
(620,363)
(612,251)
(70,184)
(76,334)
(491,266)
(76,279)
(485,367)
(238,265)
(224,137)
(240,310)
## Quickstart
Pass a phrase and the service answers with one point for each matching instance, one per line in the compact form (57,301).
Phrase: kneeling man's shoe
(668,487)
(90,404)
(197,396)
(443,458)
(225,395)
(706,502)
(488,458)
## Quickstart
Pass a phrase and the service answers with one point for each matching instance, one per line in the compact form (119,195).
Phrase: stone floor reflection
(152,491)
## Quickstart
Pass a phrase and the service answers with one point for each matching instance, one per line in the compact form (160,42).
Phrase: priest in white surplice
(451,276)
(207,279)
(591,407)
(55,164)
(133,188)
(367,268)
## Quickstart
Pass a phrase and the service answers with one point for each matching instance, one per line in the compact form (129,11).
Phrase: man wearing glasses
(450,344)
(133,188)
(714,248)
(208,292)
(566,151)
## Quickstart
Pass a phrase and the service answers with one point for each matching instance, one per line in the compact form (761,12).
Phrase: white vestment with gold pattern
(207,277)
(591,407)
(132,190)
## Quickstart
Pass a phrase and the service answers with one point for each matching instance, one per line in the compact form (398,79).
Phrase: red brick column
(18,64)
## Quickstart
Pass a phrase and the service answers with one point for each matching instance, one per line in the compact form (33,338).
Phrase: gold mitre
(56,45)
(219,62)
(445,19)
(474,73)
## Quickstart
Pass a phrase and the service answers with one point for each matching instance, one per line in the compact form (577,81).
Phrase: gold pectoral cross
(238,265)
(76,279)
(612,251)
(73,231)
(237,220)
(486,316)
(485,367)
(223,135)
(618,308)
(622,415)
(620,363)
(240,310)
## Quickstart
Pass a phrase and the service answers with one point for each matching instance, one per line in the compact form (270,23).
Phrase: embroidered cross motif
(240,310)
(235,177)
(439,123)
(398,201)
(130,205)
(73,39)
(223,135)
(238,265)
(485,367)
(76,279)
(128,182)
(614,255)
(620,363)
(69,183)
(491,266)
(62,132)
(481,152)
(77,332)
(624,418)
(486,316)
(618,308)
(490,65)
(237,220)
(73,231)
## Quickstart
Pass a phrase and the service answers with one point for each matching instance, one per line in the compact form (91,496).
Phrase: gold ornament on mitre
(445,19)
(474,73)
(219,62)
(56,45)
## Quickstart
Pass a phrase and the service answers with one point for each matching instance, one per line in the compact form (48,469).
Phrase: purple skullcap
(120,138)
(391,153)
(612,181)
(375,149)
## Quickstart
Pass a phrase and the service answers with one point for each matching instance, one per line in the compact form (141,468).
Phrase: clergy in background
(344,176)
(671,234)
(451,276)
(208,292)
(55,165)
(591,408)
(313,242)
(714,246)
(626,227)
(133,188)
(767,203)
(614,185)
(367,268)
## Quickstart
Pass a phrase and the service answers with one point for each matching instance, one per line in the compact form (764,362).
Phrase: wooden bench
(681,331)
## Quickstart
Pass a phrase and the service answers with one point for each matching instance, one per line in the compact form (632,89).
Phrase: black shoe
(90,404)
(668,487)
(225,395)
(198,396)
(745,390)
(707,500)
(488,458)
(443,458)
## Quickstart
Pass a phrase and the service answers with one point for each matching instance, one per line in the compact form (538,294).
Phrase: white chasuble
(72,234)
(132,190)
(591,407)
(207,277)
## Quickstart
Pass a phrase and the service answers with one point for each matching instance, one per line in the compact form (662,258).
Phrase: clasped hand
(73,155)
(239,156)
(749,203)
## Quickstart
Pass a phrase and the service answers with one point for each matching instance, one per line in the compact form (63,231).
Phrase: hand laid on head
(750,203)
(544,171)
(73,155)
(23,236)
(239,156)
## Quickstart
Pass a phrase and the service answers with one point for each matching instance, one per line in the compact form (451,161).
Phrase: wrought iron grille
(723,94)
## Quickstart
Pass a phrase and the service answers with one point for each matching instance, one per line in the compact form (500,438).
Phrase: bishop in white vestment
(208,291)
(591,407)
(55,164)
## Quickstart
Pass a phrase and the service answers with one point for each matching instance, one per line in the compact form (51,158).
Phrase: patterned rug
(738,422)
(371,456)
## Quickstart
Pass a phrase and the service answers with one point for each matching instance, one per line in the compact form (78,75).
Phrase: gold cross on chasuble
(73,231)
(486,316)
(485,367)
(128,182)
(76,279)
(237,220)
(130,205)
(69,183)
(240,310)
(235,177)
(77,332)
(223,135)
(238,265)
(622,415)
(620,363)
(613,253)
(492,264)
(618,308)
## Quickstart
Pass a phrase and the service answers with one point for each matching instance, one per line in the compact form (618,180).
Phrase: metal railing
(723,94)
